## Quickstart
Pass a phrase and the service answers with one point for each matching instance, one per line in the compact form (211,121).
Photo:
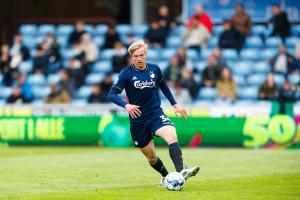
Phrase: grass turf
(100,173)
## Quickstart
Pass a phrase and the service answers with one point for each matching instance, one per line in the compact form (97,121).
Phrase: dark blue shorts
(142,133)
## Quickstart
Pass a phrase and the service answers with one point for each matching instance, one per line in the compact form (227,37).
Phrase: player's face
(139,58)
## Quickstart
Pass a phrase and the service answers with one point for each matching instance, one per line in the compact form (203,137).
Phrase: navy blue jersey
(141,88)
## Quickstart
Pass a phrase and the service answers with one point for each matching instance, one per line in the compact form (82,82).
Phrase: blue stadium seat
(207,93)
(99,40)
(256,79)
(258,29)
(26,66)
(294,79)
(248,92)
(68,53)
(279,79)
(30,41)
(249,54)
(140,30)
(62,40)
(254,42)
(192,54)
(5,92)
(273,42)
(28,29)
(230,54)
(218,30)
(261,67)
(89,28)
(174,41)
(64,29)
(84,92)
(167,53)
(124,29)
(266,54)
(153,54)
(290,42)
(94,78)
(101,29)
(295,29)
(79,102)
(107,54)
(40,92)
(242,68)
(53,78)
(205,53)
(103,66)
(36,79)
(163,65)
(46,28)
(239,80)
(199,66)
(177,31)
(213,42)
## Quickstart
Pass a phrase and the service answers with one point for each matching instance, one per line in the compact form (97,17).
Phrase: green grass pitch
(101,173)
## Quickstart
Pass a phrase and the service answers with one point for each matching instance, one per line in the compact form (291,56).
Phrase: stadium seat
(26,66)
(218,30)
(101,29)
(254,42)
(62,40)
(230,54)
(177,31)
(199,66)
(239,79)
(258,30)
(46,28)
(174,41)
(36,79)
(40,92)
(28,29)
(64,29)
(279,79)
(103,66)
(5,92)
(207,93)
(53,78)
(192,54)
(249,54)
(153,54)
(295,29)
(107,54)
(290,42)
(212,42)
(79,102)
(261,67)
(256,79)
(163,65)
(94,78)
(124,29)
(140,30)
(273,42)
(99,40)
(167,53)
(68,53)
(242,68)
(248,92)
(30,41)
(84,91)
(89,28)
(294,79)
(266,54)
(205,53)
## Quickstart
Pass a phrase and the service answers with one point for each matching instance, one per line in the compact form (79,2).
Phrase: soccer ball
(174,181)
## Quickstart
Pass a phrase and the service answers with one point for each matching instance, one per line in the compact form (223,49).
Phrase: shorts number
(163,118)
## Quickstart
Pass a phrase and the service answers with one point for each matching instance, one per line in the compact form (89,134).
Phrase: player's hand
(180,110)
(133,110)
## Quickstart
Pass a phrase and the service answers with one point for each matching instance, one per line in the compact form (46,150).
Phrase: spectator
(203,18)
(119,60)
(41,59)
(76,72)
(226,87)
(66,83)
(53,53)
(196,35)
(287,94)
(97,96)
(57,95)
(90,50)
(25,87)
(181,95)
(280,23)
(155,36)
(230,38)
(164,19)
(183,60)
(106,83)
(220,61)
(241,21)
(282,62)
(18,51)
(111,37)
(268,90)
(172,72)
(5,68)
(75,36)
(296,63)
(16,97)
(188,82)
(211,72)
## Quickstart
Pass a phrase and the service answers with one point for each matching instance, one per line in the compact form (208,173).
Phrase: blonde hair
(136,45)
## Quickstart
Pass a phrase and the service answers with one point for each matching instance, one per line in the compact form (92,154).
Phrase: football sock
(176,156)
(159,166)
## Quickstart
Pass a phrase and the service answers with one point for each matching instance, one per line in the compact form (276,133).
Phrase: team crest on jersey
(152,75)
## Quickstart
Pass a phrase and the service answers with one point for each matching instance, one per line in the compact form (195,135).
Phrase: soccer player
(141,82)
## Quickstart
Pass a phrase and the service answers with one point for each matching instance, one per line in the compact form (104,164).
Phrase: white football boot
(162,182)
(189,172)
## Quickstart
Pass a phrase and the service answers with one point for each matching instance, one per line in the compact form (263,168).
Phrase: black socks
(176,156)
(159,166)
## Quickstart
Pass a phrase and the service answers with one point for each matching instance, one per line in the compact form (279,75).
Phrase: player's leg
(154,161)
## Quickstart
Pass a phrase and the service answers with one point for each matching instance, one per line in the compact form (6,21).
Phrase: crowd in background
(180,74)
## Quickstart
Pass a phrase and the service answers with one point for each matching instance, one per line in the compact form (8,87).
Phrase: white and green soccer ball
(174,181)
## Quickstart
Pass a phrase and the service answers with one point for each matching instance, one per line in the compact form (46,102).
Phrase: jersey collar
(140,70)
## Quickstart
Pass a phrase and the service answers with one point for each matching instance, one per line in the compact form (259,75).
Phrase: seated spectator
(230,38)
(226,87)
(296,63)
(172,72)
(196,35)
(75,36)
(76,72)
(211,72)
(203,18)
(164,18)
(287,94)
(53,52)
(6,70)
(66,83)
(280,23)
(241,21)
(268,90)
(282,62)
(156,36)
(119,60)
(18,51)
(106,83)
(111,37)
(26,91)
(220,61)
(182,95)
(57,95)
(183,60)
(90,50)
(16,97)
(188,82)
(41,59)
(97,96)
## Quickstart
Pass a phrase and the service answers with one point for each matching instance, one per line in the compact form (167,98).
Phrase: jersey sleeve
(120,82)
(116,89)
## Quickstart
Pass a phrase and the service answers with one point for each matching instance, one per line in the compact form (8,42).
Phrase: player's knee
(171,138)
(151,159)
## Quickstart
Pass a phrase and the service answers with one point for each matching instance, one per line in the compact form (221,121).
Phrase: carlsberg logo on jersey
(144,84)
